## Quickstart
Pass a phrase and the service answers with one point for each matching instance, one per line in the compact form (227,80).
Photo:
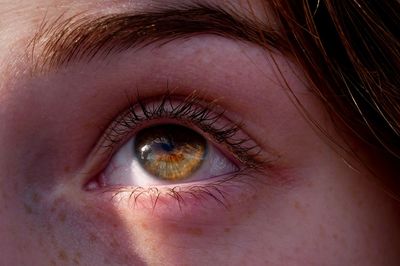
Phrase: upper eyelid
(186,109)
(167,105)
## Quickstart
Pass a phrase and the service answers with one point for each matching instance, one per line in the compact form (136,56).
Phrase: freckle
(49,227)
(77,259)
(67,169)
(99,215)
(55,205)
(127,257)
(78,255)
(335,236)
(114,243)
(370,227)
(322,232)
(62,217)
(302,209)
(227,230)
(88,125)
(144,226)
(195,231)
(92,237)
(53,263)
(36,198)
(28,209)
(62,255)
(249,213)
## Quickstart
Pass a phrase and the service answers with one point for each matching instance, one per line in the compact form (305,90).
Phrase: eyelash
(191,111)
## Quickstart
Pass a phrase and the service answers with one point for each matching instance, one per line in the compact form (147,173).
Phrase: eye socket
(163,155)
(170,149)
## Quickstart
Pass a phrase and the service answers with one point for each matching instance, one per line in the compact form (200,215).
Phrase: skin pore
(308,203)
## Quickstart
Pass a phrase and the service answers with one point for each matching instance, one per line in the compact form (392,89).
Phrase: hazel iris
(170,152)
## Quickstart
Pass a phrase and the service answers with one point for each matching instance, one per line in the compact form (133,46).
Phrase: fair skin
(311,204)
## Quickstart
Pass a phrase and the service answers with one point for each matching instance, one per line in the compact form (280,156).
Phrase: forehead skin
(22,20)
(315,207)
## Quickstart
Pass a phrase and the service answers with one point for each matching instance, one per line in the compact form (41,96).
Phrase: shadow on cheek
(73,233)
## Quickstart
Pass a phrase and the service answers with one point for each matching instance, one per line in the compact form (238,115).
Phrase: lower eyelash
(202,193)
(217,191)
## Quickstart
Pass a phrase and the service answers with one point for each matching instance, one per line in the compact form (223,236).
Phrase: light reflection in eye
(166,154)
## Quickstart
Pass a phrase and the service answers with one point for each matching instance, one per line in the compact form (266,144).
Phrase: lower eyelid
(211,201)
(190,199)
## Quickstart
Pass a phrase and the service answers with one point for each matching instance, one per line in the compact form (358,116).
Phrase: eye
(173,148)
(166,154)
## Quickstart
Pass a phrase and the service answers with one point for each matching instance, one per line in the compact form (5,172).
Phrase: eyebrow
(78,38)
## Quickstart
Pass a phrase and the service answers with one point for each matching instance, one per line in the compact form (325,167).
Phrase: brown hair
(349,51)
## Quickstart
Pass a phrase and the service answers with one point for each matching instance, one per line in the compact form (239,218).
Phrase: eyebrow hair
(83,38)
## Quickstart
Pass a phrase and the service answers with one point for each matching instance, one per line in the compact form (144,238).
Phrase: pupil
(170,152)
(167,146)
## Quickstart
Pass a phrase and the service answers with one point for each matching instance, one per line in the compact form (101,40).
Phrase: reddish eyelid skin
(197,201)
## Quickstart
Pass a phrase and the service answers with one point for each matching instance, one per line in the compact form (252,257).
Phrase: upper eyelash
(192,110)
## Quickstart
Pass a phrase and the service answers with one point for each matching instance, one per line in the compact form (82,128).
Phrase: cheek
(339,217)
(77,233)
(184,240)
(37,228)
(178,238)
(20,235)
(110,231)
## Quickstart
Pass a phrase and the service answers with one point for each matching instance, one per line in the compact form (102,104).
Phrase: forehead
(24,20)
(34,10)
